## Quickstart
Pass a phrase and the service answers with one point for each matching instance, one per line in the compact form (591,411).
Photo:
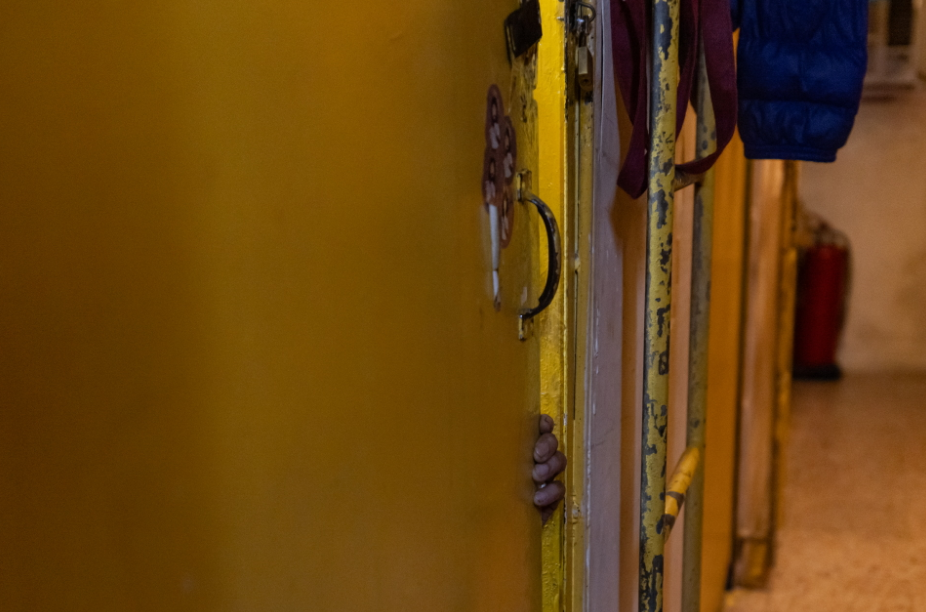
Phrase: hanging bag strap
(716,30)
(630,41)
(707,20)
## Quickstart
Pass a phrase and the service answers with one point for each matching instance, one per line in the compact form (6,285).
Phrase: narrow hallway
(852,536)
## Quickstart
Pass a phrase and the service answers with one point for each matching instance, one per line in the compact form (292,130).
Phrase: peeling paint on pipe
(660,205)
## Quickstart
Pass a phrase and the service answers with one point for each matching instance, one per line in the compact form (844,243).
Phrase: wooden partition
(765,394)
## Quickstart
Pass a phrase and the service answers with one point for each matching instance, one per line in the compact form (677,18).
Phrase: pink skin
(548,464)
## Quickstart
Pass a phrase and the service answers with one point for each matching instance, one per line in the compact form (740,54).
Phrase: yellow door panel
(249,357)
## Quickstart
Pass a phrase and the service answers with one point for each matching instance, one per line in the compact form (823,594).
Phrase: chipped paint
(661,199)
(545,108)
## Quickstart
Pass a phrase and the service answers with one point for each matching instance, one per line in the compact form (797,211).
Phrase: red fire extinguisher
(822,299)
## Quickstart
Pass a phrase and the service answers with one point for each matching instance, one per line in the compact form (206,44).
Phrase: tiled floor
(854,531)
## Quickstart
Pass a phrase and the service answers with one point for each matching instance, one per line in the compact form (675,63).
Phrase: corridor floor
(853,536)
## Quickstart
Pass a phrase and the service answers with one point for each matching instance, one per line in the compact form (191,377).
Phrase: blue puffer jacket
(800,67)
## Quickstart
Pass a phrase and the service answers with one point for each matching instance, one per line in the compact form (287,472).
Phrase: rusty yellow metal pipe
(658,300)
(699,335)
(684,179)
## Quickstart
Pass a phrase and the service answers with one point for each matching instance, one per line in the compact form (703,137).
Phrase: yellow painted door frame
(555,339)
(564,124)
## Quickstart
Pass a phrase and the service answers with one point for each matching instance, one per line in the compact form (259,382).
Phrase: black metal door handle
(554,256)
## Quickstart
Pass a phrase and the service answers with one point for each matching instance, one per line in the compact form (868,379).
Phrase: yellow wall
(249,355)
(723,372)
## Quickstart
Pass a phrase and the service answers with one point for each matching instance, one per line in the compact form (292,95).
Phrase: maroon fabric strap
(701,20)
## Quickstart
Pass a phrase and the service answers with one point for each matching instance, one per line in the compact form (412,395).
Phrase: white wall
(876,193)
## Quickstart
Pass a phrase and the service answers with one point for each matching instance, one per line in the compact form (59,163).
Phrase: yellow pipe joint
(678,486)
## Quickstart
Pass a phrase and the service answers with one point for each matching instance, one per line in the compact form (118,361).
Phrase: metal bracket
(523,28)
(683,179)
